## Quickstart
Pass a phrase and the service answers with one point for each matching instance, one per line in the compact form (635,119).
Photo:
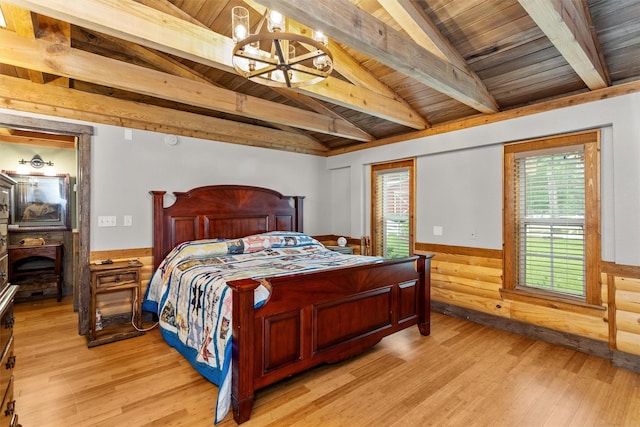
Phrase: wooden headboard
(221,211)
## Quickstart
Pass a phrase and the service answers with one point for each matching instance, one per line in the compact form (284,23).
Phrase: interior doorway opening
(82,134)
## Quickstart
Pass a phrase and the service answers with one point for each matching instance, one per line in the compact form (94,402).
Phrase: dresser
(8,416)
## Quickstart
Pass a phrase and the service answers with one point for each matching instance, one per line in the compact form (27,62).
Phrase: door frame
(83,196)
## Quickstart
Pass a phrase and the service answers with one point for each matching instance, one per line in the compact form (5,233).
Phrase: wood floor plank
(464,374)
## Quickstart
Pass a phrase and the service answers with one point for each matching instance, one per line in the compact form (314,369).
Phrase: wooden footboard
(321,317)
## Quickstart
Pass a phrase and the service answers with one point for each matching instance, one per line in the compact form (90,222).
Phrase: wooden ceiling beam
(155,29)
(23,95)
(351,69)
(351,26)
(41,140)
(167,64)
(24,23)
(417,24)
(140,24)
(567,25)
(60,60)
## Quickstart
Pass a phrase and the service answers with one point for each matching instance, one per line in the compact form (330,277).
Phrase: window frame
(390,167)
(590,142)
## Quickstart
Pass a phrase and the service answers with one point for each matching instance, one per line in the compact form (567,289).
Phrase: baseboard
(590,346)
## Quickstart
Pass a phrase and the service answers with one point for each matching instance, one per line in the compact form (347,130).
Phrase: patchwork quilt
(189,294)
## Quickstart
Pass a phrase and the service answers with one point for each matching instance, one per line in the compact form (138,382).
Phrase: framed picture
(40,202)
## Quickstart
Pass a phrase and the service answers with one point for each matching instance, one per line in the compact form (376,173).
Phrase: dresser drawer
(6,368)
(4,203)
(6,327)
(8,416)
(4,270)
(116,278)
(3,238)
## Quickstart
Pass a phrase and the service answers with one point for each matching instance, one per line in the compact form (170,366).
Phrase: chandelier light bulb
(240,32)
(320,37)
(239,23)
(276,21)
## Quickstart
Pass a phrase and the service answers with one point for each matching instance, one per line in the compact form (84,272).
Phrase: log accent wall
(471,278)
(623,296)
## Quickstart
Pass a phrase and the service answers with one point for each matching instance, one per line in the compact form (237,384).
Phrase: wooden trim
(564,339)
(399,164)
(508,218)
(83,133)
(592,220)
(611,306)
(458,250)
(30,123)
(631,271)
(118,254)
(630,362)
(590,140)
(84,226)
(484,119)
(550,300)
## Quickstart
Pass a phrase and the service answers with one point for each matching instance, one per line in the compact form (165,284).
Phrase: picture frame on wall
(40,202)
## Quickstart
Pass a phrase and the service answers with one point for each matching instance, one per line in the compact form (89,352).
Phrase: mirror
(40,202)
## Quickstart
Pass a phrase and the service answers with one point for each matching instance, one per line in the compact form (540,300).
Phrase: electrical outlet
(437,230)
(106,221)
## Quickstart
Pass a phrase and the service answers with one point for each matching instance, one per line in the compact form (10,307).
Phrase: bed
(284,321)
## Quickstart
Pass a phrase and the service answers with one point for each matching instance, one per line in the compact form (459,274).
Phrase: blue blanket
(189,294)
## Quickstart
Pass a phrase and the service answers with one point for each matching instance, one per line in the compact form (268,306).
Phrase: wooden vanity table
(35,261)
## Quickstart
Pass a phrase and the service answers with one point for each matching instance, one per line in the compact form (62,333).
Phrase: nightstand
(115,277)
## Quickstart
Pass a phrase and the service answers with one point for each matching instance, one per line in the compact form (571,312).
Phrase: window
(552,217)
(392,194)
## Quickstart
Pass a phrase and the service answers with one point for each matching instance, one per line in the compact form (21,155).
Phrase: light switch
(106,221)
(127,221)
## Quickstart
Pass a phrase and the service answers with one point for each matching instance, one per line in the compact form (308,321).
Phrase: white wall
(124,171)
(459,177)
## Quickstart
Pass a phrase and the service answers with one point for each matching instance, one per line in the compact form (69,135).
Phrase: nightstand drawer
(119,278)
(6,368)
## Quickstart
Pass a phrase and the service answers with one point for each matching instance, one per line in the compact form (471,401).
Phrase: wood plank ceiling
(402,68)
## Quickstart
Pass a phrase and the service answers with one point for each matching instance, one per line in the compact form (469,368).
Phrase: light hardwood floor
(463,374)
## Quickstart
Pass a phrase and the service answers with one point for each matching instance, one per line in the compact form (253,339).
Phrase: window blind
(551,221)
(392,206)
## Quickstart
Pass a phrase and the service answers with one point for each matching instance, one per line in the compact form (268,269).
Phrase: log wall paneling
(471,278)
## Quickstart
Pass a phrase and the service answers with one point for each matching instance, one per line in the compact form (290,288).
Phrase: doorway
(83,134)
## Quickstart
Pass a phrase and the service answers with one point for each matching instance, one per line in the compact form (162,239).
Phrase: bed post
(242,348)
(299,212)
(158,229)
(424,269)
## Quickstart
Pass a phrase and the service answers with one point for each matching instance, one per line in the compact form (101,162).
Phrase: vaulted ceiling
(402,68)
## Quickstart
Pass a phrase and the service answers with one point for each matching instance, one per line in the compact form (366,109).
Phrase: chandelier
(277,58)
